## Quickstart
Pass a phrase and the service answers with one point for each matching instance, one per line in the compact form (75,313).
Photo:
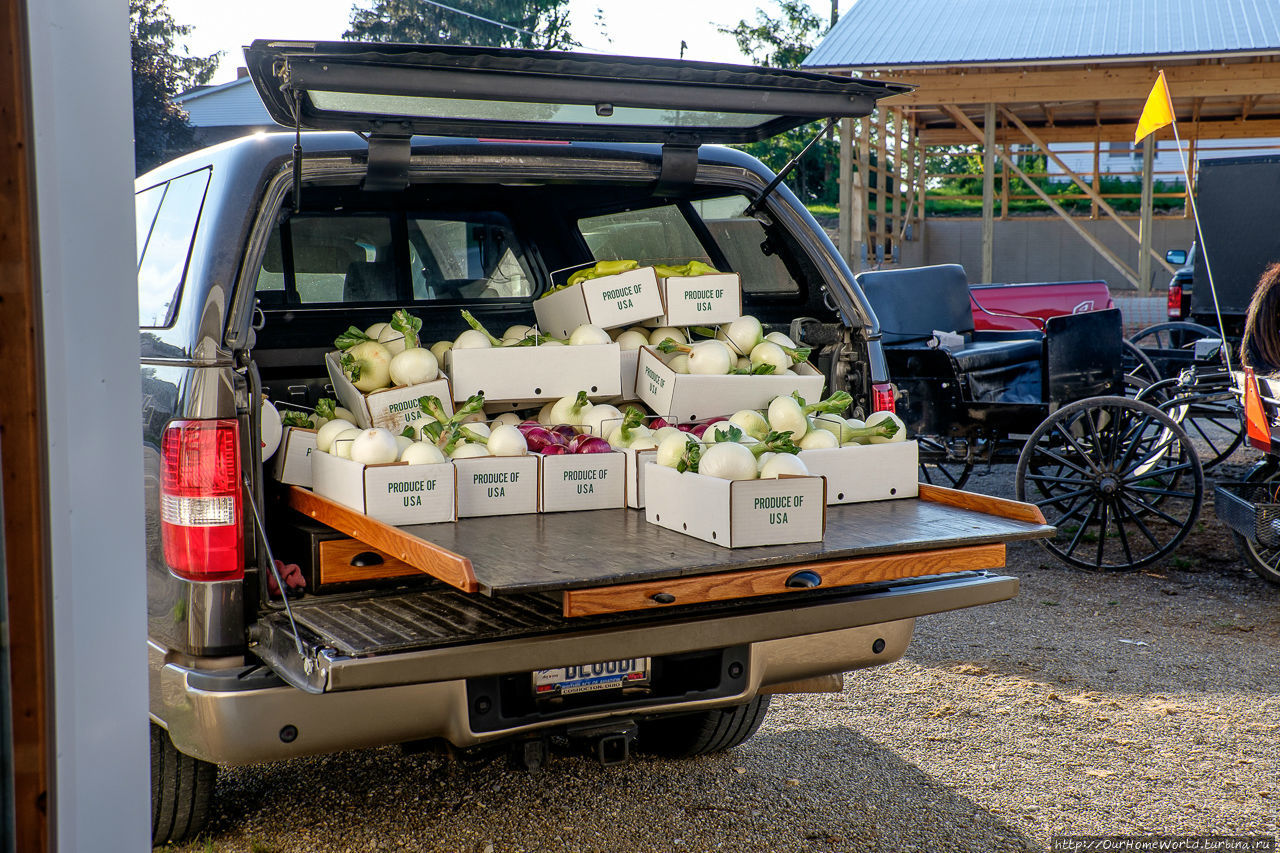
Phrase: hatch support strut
(755,205)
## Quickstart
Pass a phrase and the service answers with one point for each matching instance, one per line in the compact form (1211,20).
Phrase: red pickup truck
(1027,306)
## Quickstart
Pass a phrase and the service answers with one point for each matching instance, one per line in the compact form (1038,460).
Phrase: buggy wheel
(1117,477)
(1137,364)
(1167,345)
(939,467)
(1264,561)
(1213,425)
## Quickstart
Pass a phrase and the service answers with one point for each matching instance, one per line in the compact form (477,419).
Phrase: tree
(542,24)
(160,71)
(783,42)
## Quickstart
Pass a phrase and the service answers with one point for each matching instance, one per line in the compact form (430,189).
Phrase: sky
(631,27)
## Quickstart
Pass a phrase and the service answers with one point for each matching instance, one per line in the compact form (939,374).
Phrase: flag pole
(1204,252)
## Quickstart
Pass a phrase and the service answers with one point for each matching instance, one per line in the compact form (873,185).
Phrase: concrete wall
(1043,249)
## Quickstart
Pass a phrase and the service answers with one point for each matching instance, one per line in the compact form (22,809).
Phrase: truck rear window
(710,230)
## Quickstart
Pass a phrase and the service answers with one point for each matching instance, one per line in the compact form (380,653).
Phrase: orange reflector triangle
(1258,427)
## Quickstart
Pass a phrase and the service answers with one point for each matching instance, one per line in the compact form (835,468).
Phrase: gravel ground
(1113,704)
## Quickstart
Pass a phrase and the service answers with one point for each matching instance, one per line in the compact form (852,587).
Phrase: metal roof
(896,33)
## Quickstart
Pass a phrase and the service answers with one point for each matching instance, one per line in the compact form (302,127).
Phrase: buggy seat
(911,304)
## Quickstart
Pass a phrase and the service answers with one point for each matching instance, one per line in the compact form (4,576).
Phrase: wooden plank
(882,195)
(1003,507)
(895,209)
(22,462)
(1097,178)
(1091,192)
(908,212)
(336,566)
(428,557)
(988,191)
(1130,83)
(844,181)
(862,234)
(1146,206)
(1208,128)
(773,581)
(1098,245)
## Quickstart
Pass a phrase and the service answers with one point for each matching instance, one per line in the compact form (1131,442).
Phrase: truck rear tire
(702,733)
(181,791)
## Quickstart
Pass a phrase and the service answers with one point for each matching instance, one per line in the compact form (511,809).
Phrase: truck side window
(165,245)
(324,259)
(739,238)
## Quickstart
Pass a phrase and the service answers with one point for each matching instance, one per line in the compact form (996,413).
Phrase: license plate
(588,677)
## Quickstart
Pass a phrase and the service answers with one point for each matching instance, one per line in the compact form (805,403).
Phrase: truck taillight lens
(1175,302)
(882,398)
(200,513)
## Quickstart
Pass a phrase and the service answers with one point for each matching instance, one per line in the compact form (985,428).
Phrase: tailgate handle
(804,580)
(366,559)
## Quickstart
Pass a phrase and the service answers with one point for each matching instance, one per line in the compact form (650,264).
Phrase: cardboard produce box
(391,408)
(736,513)
(535,374)
(867,472)
(627,362)
(580,481)
(497,485)
(637,461)
(292,462)
(394,493)
(685,398)
(609,302)
(700,300)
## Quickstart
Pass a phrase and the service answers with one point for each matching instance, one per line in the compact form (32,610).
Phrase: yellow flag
(1157,113)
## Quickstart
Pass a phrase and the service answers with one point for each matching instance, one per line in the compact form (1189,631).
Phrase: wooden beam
(1125,83)
(1098,200)
(1115,132)
(988,191)
(922,177)
(844,182)
(895,216)
(727,586)
(1093,241)
(882,176)
(1144,223)
(1097,178)
(1189,188)
(22,456)
(908,213)
(863,236)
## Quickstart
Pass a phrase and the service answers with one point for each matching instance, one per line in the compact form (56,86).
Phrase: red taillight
(1175,302)
(882,398)
(200,512)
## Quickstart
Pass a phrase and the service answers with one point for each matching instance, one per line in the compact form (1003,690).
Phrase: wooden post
(844,234)
(924,198)
(1144,222)
(1097,177)
(908,212)
(1189,188)
(863,203)
(882,197)
(22,465)
(897,217)
(988,190)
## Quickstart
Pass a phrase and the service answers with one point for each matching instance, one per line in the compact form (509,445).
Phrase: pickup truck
(1026,306)
(436,179)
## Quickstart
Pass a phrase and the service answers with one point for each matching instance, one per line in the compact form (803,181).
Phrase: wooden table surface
(571,550)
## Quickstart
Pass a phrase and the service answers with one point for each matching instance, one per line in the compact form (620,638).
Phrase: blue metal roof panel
(930,32)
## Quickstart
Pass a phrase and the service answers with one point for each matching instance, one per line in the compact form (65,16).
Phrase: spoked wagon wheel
(1137,364)
(1210,419)
(1264,561)
(1164,343)
(1118,478)
(939,467)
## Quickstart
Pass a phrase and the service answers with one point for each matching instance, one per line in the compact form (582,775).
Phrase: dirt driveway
(1113,704)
